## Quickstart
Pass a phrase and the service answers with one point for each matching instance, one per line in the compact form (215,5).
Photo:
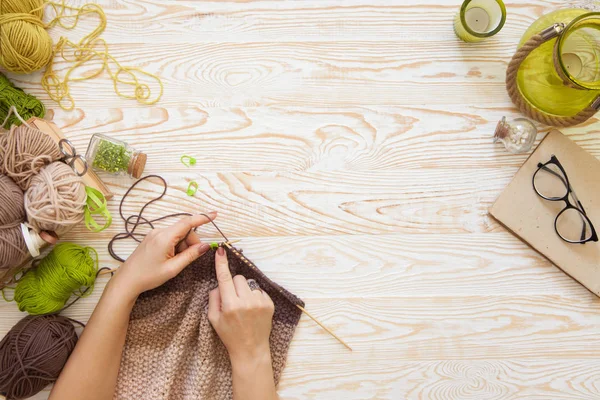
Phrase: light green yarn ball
(68,269)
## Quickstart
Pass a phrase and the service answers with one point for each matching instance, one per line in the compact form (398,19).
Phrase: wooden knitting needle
(324,327)
(300,307)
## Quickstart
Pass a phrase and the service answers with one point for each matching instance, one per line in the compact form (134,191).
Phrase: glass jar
(577,57)
(114,156)
(517,136)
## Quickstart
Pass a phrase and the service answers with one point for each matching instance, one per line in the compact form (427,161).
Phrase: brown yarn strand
(132,222)
(33,353)
(517,97)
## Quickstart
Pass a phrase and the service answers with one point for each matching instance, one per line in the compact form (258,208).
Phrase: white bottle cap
(35,241)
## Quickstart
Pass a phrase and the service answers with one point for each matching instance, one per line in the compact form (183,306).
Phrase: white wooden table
(348,144)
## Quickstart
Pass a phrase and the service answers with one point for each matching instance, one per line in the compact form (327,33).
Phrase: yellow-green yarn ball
(25,45)
(68,269)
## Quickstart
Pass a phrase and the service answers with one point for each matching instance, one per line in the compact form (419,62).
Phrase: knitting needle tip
(324,327)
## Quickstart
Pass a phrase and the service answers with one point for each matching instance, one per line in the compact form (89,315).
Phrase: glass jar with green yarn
(106,154)
(578,56)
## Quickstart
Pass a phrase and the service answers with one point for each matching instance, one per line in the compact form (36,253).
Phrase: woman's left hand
(156,259)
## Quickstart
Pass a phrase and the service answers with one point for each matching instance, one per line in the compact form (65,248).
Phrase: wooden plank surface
(348,144)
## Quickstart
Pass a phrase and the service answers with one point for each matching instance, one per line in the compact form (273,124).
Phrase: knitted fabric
(173,353)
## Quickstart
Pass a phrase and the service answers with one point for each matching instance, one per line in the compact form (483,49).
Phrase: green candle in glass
(479,19)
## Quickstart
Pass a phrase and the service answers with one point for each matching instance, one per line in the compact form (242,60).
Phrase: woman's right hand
(241,317)
(156,259)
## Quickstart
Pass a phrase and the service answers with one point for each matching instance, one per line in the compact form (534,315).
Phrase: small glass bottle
(114,156)
(517,136)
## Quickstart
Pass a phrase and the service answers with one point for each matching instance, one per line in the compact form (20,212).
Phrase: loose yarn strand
(86,50)
(12,112)
(139,218)
(26,47)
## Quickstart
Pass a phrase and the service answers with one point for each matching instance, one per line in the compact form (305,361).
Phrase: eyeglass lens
(550,182)
(573,226)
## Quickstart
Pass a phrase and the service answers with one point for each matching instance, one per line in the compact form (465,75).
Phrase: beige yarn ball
(24,151)
(55,199)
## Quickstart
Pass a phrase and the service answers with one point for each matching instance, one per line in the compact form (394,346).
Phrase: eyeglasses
(572,224)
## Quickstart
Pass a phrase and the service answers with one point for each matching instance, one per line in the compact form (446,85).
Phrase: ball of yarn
(12,212)
(56,199)
(24,151)
(33,353)
(27,105)
(25,46)
(68,269)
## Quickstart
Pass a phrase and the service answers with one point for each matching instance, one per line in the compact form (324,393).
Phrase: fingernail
(203,248)
(221,251)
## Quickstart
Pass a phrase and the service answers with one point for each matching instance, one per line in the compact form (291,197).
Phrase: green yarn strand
(27,105)
(67,270)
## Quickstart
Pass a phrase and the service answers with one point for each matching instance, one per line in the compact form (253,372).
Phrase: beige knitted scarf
(173,353)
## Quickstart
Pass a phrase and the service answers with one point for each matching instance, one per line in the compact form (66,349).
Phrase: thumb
(188,256)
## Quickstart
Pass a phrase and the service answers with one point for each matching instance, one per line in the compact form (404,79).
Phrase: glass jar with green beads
(106,154)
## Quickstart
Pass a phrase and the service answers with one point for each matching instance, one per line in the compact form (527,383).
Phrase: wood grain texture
(348,144)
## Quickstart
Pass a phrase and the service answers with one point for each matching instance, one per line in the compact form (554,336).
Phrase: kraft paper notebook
(521,210)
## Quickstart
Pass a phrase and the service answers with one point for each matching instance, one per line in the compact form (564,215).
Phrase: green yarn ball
(68,269)
(27,105)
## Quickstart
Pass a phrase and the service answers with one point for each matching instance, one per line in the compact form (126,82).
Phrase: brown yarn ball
(55,199)
(24,151)
(12,212)
(33,353)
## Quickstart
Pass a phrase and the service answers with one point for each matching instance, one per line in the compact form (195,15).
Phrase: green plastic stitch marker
(188,161)
(192,188)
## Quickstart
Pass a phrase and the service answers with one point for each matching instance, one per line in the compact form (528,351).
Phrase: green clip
(214,245)
(188,161)
(192,188)
(96,205)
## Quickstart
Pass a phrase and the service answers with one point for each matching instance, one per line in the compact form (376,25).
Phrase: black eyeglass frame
(565,198)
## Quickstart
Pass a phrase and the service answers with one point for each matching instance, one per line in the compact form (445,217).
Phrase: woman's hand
(156,260)
(91,371)
(241,317)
